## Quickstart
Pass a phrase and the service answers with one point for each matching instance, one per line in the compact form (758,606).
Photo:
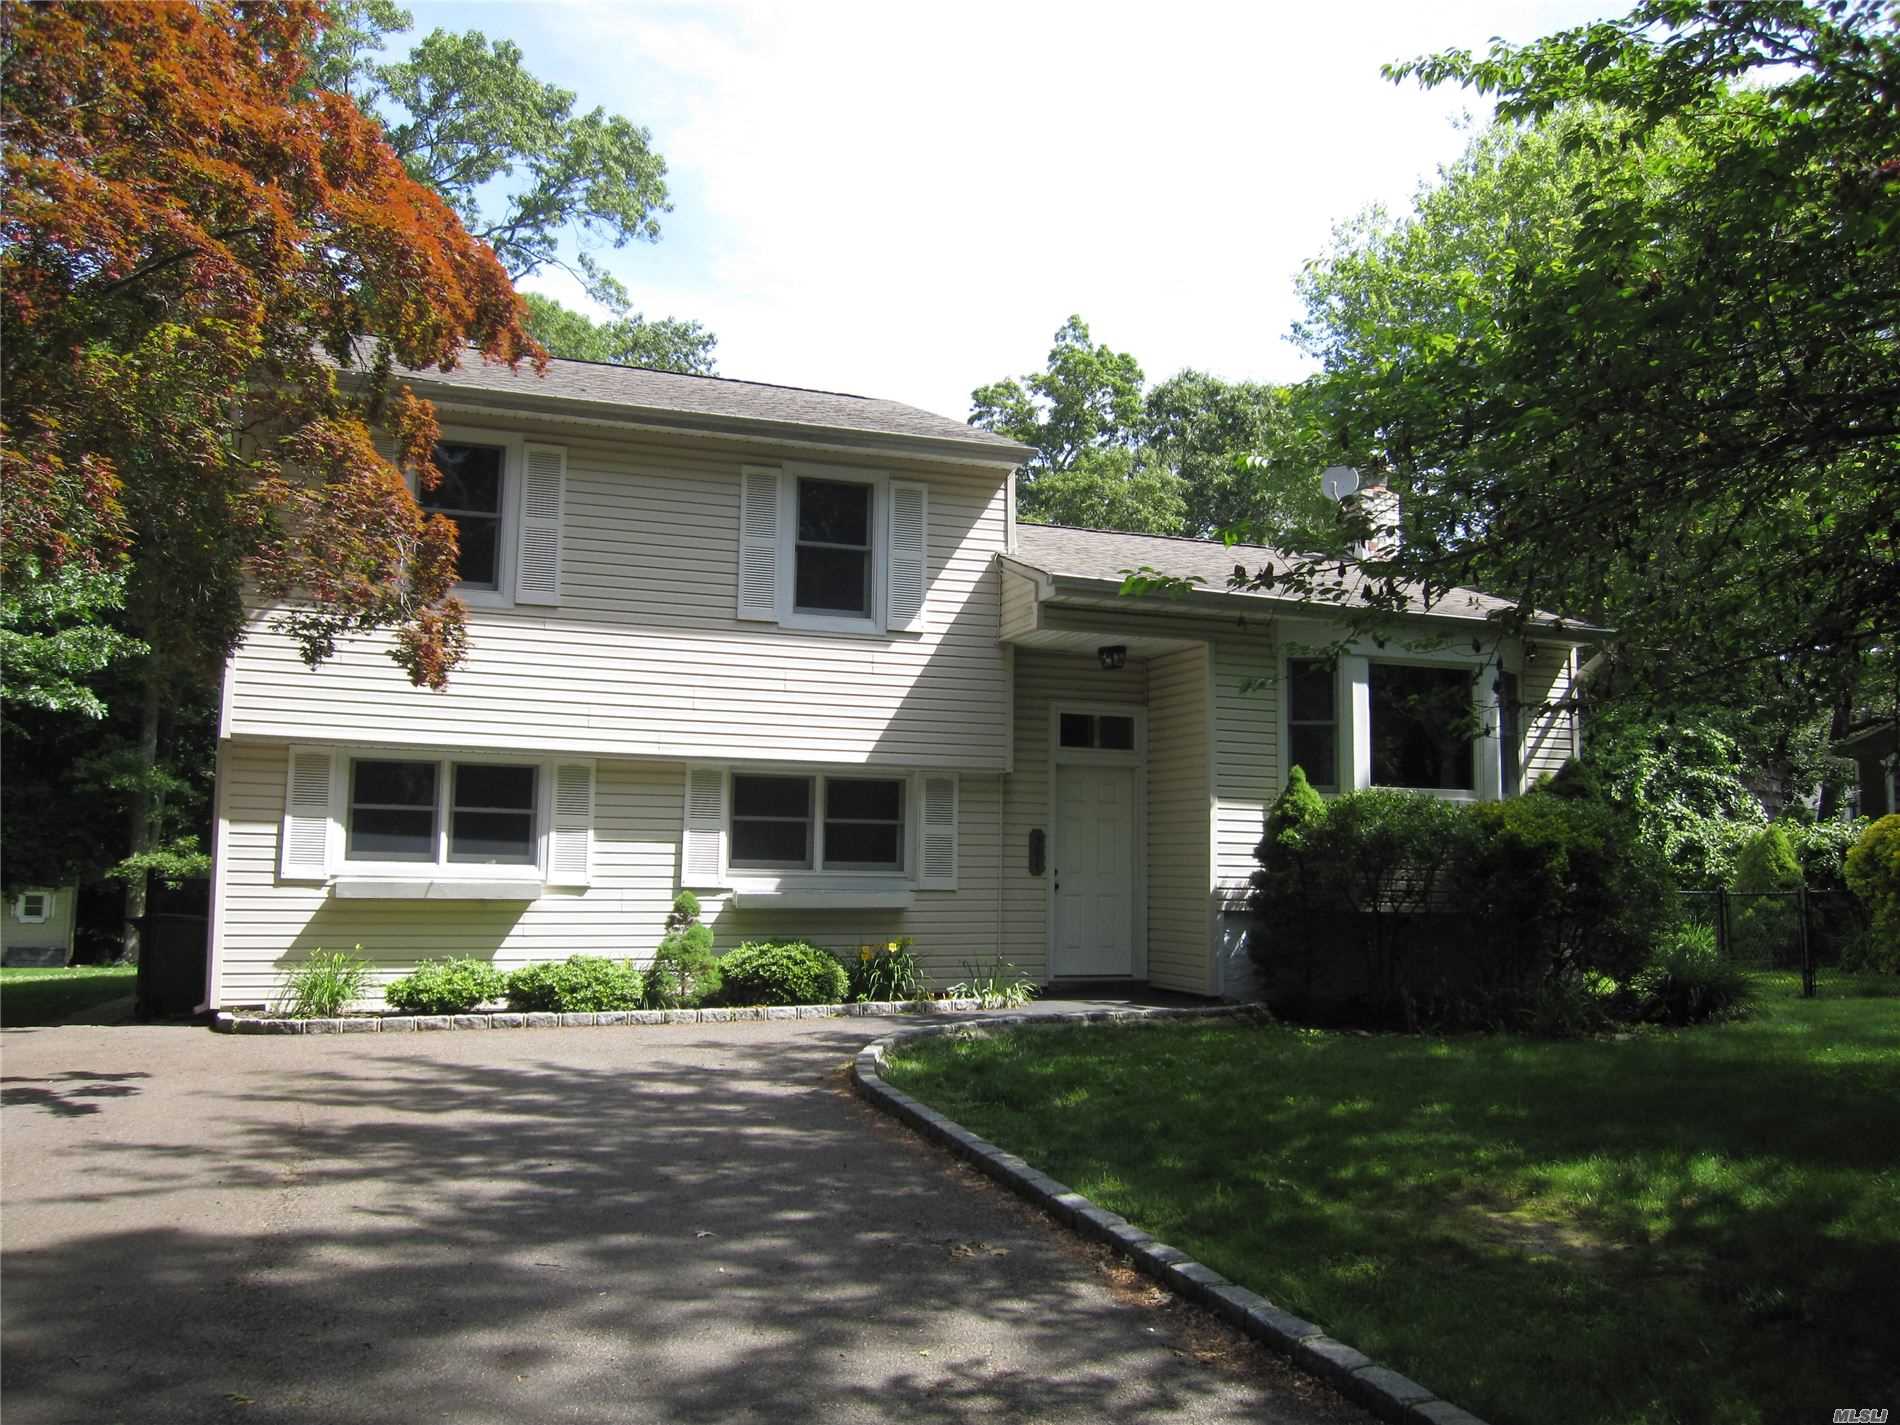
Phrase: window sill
(437,888)
(773,895)
(826,623)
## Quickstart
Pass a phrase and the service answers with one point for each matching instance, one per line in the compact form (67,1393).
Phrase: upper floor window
(1312,721)
(470,493)
(833,548)
(1422,727)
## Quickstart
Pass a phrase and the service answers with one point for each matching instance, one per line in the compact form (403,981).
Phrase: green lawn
(48,996)
(1698,1225)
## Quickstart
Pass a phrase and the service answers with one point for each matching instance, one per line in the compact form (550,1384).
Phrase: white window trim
(790,617)
(756,878)
(512,444)
(442,868)
(1135,756)
(1352,701)
(46,907)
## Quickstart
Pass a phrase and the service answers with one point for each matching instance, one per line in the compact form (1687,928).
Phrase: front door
(1094,871)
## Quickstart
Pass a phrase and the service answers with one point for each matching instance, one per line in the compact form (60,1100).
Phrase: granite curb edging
(1383,1391)
(224,1022)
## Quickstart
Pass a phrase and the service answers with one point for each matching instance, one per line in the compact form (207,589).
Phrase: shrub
(684,971)
(781,972)
(1821,847)
(1765,916)
(578,984)
(1688,981)
(1872,871)
(324,985)
(452,986)
(1295,814)
(885,972)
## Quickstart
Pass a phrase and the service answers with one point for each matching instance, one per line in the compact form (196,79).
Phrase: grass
(1683,1226)
(46,996)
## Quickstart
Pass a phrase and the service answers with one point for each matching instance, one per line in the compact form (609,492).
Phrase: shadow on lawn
(556,1239)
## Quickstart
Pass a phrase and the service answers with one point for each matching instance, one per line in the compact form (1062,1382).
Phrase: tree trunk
(1837,729)
(139,814)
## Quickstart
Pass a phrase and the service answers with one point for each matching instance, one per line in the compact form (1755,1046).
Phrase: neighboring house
(790,650)
(36,927)
(1873,749)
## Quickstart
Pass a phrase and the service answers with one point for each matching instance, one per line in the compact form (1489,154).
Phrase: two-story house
(791,650)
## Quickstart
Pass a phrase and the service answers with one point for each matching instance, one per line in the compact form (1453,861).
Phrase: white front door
(1094,871)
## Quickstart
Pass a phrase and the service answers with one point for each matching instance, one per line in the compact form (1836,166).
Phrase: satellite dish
(1339,481)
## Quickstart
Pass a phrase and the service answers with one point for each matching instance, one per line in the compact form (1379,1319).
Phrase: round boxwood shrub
(453,986)
(781,972)
(576,985)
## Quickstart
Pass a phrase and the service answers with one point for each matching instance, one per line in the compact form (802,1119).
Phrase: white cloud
(907,201)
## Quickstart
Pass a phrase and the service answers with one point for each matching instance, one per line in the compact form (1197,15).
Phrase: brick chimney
(1380,505)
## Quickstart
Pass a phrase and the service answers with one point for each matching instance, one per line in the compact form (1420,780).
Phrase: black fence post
(1807,949)
(1721,921)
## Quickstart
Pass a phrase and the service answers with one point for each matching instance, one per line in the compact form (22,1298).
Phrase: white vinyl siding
(1247,763)
(1550,739)
(646,657)
(1180,844)
(269,925)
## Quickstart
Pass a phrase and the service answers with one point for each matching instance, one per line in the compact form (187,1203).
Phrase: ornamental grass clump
(1689,982)
(452,986)
(324,985)
(781,972)
(886,972)
(577,985)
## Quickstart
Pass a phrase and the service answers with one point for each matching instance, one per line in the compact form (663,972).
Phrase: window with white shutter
(907,563)
(571,825)
(538,544)
(937,851)
(309,791)
(703,838)
(758,543)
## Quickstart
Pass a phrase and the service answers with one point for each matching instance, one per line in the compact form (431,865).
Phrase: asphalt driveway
(677,1223)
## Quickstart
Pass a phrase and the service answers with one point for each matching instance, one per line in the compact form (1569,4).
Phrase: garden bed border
(1383,1391)
(225,1022)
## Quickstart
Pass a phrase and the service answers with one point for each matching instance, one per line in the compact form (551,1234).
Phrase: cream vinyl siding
(1180,854)
(645,654)
(1019,605)
(1550,740)
(1246,754)
(270,925)
(949,929)
(1042,680)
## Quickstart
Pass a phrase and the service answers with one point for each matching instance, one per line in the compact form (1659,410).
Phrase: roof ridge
(1142,534)
(729,380)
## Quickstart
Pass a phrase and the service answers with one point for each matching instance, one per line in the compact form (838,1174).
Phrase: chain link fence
(1802,930)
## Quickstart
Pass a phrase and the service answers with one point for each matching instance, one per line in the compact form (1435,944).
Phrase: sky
(907,200)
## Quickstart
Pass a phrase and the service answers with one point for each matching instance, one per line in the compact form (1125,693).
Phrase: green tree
(1642,341)
(628,339)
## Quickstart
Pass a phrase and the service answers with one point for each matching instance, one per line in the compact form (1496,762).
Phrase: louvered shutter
(937,852)
(538,546)
(703,841)
(759,517)
(571,825)
(304,843)
(907,562)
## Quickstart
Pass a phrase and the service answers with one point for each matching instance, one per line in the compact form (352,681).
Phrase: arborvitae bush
(1764,914)
(684,971)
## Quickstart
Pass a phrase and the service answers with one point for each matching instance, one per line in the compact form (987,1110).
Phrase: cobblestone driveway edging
(224,1022)
(1385,1392)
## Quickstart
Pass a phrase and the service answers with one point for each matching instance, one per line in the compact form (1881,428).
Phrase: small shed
(36,927)
(1872,748)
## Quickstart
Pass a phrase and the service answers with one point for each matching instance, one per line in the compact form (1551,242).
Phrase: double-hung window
(433,813)
(832,551)
(1312,721)
(821,823)
(470,493)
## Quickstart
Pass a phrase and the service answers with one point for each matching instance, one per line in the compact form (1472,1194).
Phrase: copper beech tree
(212,273)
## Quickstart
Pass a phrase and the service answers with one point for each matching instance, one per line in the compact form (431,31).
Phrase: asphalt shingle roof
(1106,554)
(710,400)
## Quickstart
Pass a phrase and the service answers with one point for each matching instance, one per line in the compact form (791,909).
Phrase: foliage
(53,637)
(521,169)
(1282,852)
(451,986)
(684,971)
(577,985)
(1821,847)
(1873,874)
(781,972)
(885,972)
(994,984)
(1601,368)
(627,339)
(1688,981)
(324,985)
(1764,914)
(1727,1177)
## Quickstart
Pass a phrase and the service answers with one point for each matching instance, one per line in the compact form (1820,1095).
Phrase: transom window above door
(833,553)
(470,494)
(1105,732)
